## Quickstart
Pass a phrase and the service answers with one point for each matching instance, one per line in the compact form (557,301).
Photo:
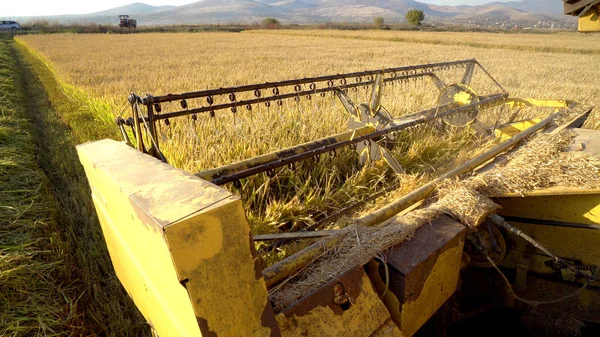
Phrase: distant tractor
(126,22)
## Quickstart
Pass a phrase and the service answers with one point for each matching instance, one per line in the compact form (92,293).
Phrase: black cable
(499,221)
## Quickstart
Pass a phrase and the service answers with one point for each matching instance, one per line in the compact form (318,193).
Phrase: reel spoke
(391,160)
(376,93)
(373,115)
(347,103)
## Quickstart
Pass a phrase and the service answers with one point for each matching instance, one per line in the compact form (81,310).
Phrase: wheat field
(67,89)
(100,70)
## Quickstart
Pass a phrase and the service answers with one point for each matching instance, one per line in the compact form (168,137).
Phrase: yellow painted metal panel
(571,243)
(507,132)
(551,217)
(424,273)
(214,255)
(525,102)
(389,329)
(181,246)
(562,205)
(364,317)
(138,251)
(150,280)
(582,208)
(439,286)
(590,22)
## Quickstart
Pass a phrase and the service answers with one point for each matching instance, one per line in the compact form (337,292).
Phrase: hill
(499,12)
(544,7)
(134,8)
(316,11)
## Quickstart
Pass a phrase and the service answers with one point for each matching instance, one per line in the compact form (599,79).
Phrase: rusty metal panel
(347,306)
(423,273)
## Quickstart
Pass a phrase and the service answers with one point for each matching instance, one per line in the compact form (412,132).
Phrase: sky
(56,7)
(462,2)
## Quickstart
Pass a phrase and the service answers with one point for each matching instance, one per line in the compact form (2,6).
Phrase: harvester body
(588,12)
(183,249)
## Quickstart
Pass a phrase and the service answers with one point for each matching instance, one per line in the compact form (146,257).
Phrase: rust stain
(350,282)
(414,259)
(204,330)
(267,319)
(258,261)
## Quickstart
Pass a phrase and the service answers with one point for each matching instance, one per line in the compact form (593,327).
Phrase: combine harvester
(588,12)
(182,247)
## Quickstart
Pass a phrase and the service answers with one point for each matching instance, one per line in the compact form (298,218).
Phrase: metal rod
(155,149)
(283,96)
(490,76)
(468,75)
(221,91)
(292,236)
(277,155)
(501,222)
(138,128)
(551,223)
(293,264)
(252,166)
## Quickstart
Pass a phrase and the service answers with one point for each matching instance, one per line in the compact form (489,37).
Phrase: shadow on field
(103,303)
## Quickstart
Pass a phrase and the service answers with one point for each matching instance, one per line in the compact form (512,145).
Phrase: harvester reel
(463,95)
(373,131)
(375,116)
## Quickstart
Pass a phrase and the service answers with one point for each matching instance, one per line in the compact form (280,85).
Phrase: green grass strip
(59,118)
(38,293)
(89,118)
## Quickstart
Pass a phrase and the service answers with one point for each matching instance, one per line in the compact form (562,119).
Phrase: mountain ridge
(320,11)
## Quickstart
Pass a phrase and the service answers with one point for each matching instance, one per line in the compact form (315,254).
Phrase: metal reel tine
(376,94)
(468,75)
(384,116)
(363,157)
(438,82)
(391,160)
(347,103)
